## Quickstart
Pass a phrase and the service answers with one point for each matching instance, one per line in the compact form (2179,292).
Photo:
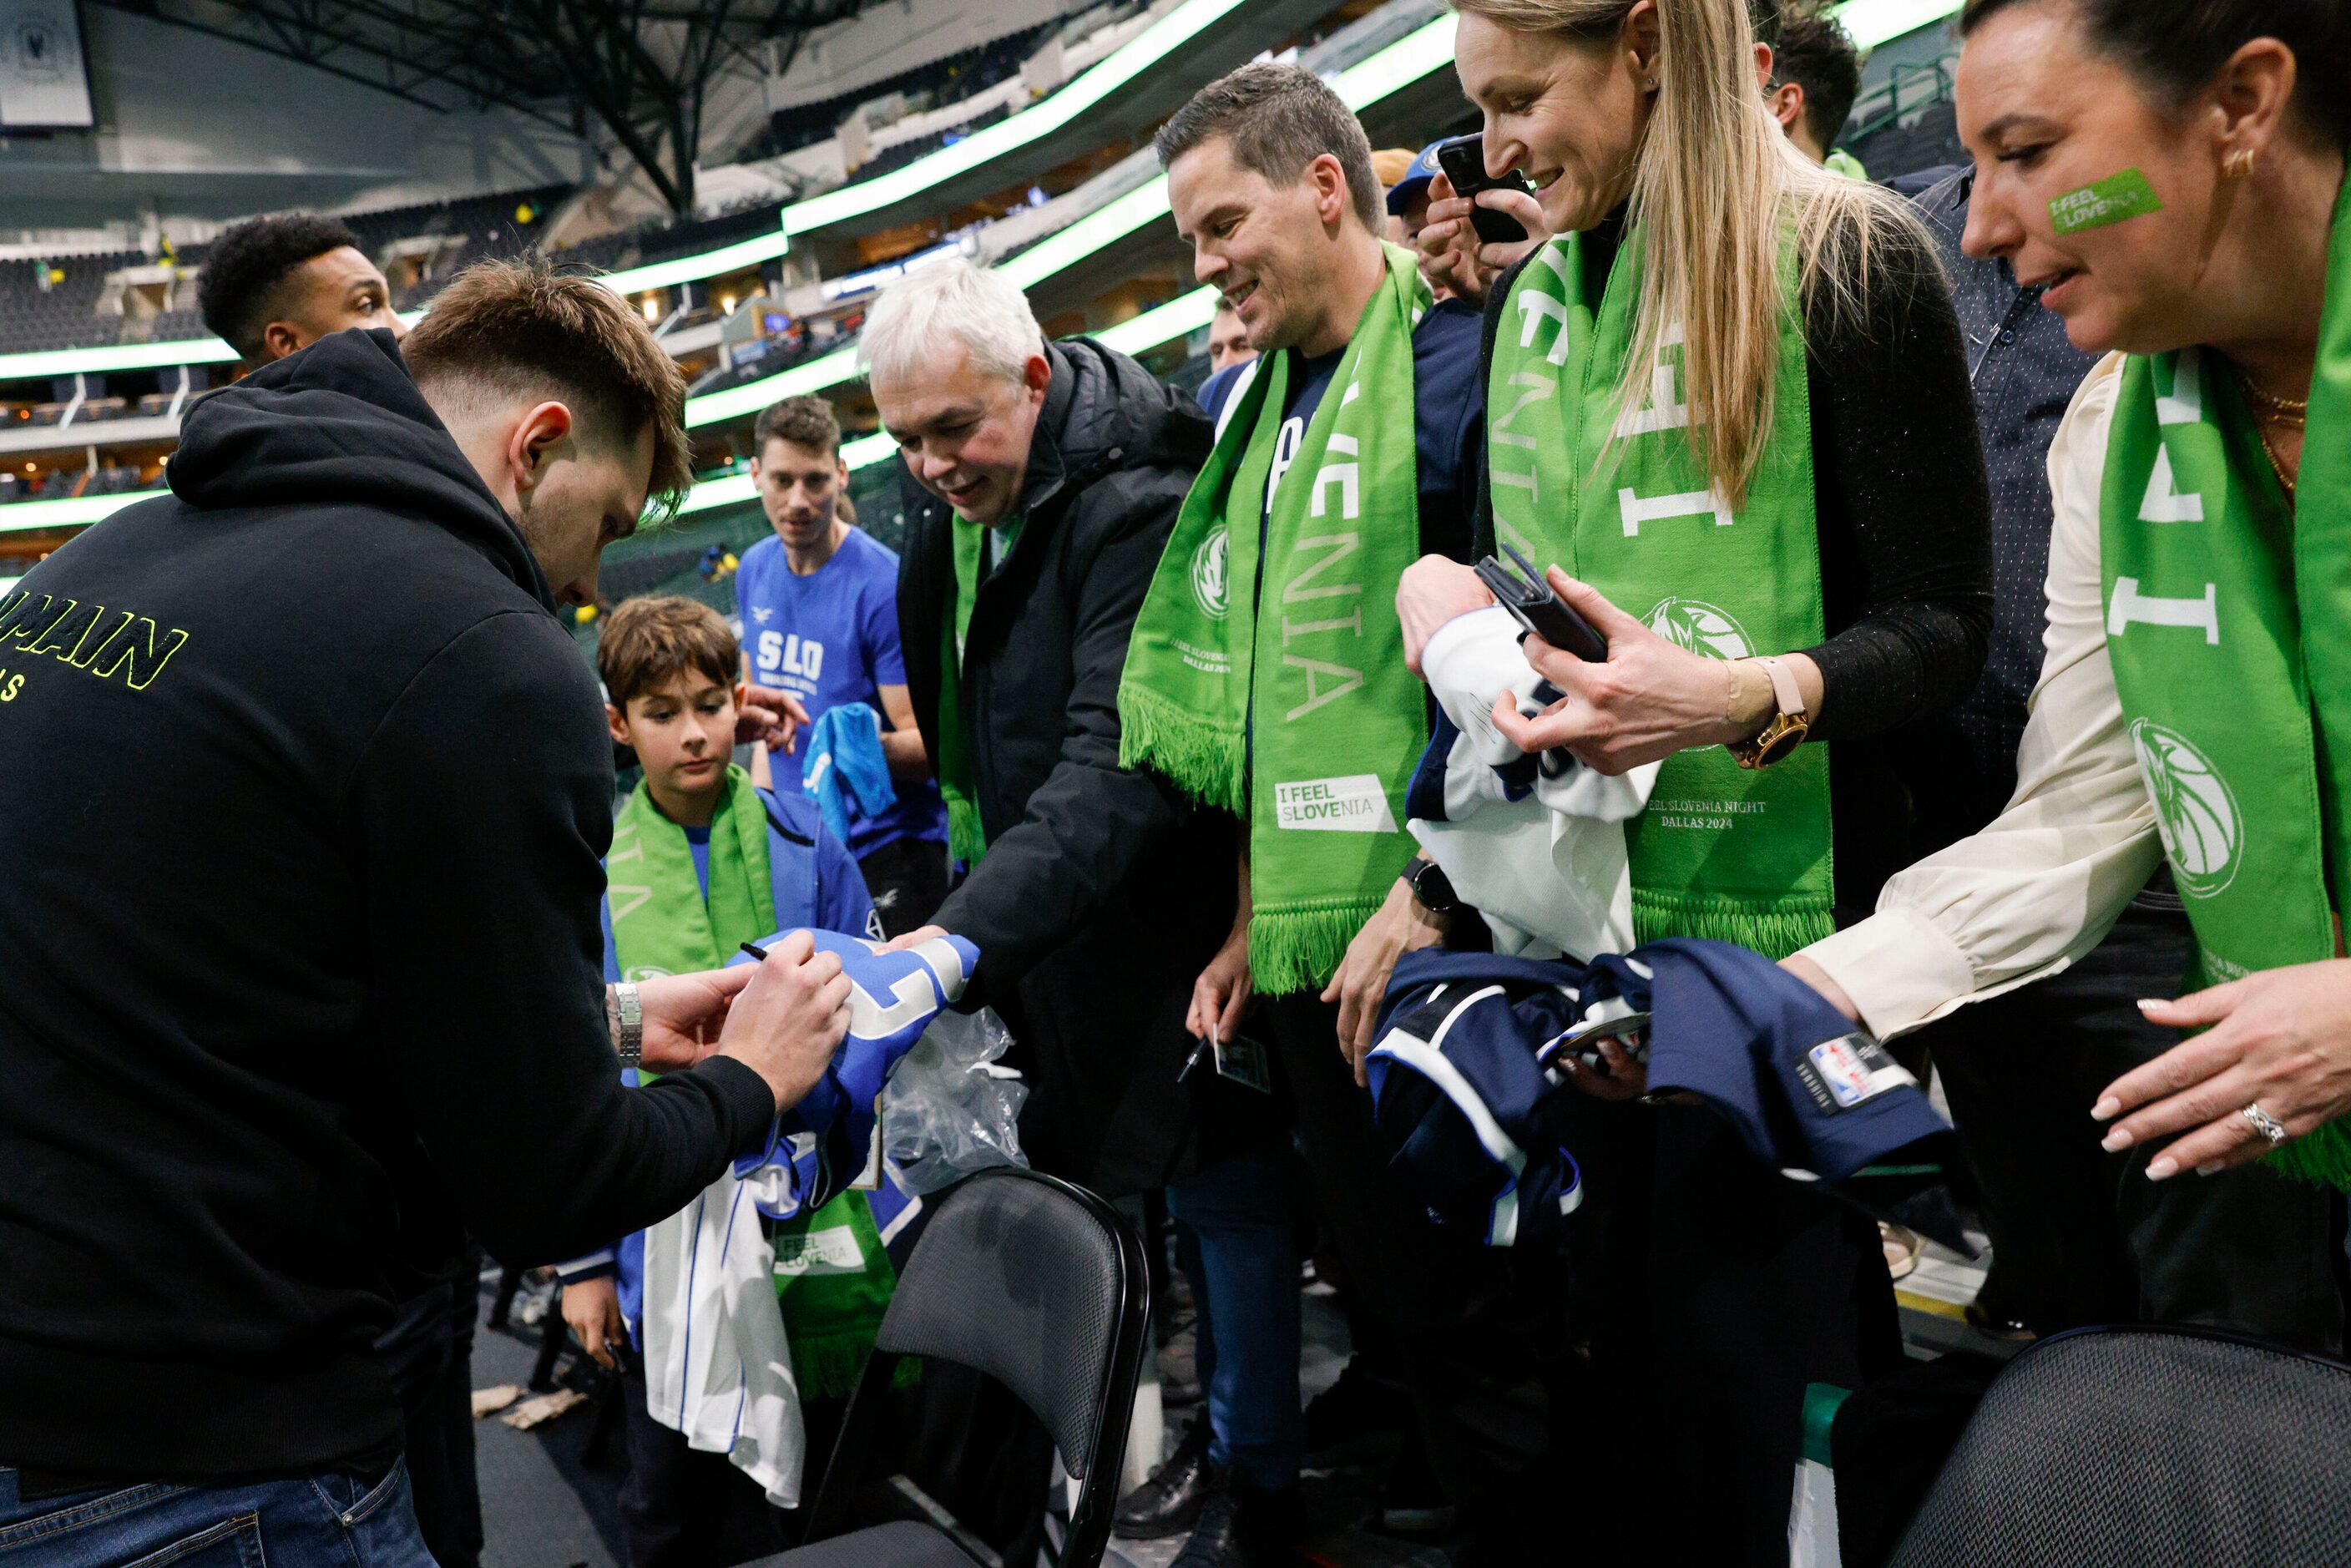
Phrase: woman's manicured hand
(1650,698)
(2279,1039)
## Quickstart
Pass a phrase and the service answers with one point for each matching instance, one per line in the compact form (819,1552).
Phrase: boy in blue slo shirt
(703,859)
(820,606)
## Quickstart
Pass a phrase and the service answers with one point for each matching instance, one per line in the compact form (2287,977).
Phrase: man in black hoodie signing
(307,793)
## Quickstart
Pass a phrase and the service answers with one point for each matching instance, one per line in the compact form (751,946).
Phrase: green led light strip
(70,512)
(1870,22)
(116,357)
(692,269)
(1122,65)
(1427,48)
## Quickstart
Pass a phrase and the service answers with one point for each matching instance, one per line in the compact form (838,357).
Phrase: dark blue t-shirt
(1448,418)
(829,638)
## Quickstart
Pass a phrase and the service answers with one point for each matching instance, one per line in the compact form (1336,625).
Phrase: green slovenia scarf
(2228,621)
(661,924)
(1735,854)
(966,839)
(1272,682)
(832,1278)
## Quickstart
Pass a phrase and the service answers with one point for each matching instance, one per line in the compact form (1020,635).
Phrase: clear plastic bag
(950,1108)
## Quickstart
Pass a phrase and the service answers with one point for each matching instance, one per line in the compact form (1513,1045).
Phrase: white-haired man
(1043,482)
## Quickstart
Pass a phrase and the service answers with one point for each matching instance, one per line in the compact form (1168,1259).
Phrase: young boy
(703,859)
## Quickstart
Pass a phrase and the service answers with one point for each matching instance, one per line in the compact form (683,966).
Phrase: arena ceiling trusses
(639,68)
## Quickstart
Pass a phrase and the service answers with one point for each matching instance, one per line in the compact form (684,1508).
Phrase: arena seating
(107,479)
(937,84)
(63,314)
(663,241)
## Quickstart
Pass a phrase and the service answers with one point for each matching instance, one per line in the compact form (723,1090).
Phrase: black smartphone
(1533,605)
(1463,159)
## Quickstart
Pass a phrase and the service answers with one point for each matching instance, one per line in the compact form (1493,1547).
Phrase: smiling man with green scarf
(1267,678)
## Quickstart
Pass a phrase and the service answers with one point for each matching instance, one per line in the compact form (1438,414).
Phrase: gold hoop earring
(2238,165)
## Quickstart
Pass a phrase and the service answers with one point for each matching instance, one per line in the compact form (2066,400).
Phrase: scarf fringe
(966,839)
(1774,929)
(1301,949)
(2321,1157)
(1194,756)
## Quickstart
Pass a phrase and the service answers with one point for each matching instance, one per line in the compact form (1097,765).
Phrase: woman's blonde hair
(1716,186)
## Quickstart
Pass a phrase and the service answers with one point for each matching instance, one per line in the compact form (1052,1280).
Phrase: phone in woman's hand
(1535,605)
(1463,159)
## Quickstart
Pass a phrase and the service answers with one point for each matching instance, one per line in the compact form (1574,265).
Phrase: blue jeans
(311,1522)
(1244,1266)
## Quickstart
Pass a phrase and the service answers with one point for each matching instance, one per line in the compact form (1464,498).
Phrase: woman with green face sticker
(2172,172)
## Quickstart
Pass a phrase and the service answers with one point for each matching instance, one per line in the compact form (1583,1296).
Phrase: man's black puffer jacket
(1102,892)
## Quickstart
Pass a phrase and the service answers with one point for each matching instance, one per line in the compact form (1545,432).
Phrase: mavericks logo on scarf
(2229,622)
(1739,854)
(1272,682)
(662,925)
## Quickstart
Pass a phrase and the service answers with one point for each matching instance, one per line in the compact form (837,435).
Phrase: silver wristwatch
(624,1014)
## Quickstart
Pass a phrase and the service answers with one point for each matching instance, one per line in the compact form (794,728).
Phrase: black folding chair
(2141,1447)
(1042,1286)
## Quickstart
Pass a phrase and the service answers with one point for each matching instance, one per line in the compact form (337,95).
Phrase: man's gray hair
(1278,120)
(985,311)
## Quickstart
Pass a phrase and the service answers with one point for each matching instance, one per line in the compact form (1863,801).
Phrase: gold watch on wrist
(1789,726)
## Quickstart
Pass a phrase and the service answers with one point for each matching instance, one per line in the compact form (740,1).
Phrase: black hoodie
(304,796)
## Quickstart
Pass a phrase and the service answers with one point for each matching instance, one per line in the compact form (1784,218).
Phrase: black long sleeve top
(1904,515)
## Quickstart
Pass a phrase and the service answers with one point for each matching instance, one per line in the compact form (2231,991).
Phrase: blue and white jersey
(1535,844)
(812,881)
(832,1137)
(1455,1087)
(699,1288)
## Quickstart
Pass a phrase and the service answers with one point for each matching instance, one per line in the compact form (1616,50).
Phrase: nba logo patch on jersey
(1851,1070)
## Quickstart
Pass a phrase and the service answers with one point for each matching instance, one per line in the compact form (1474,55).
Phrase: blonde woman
(1728,406)
(1785,399)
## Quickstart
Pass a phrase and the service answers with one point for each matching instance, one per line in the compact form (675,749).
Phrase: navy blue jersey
(1464,1089)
